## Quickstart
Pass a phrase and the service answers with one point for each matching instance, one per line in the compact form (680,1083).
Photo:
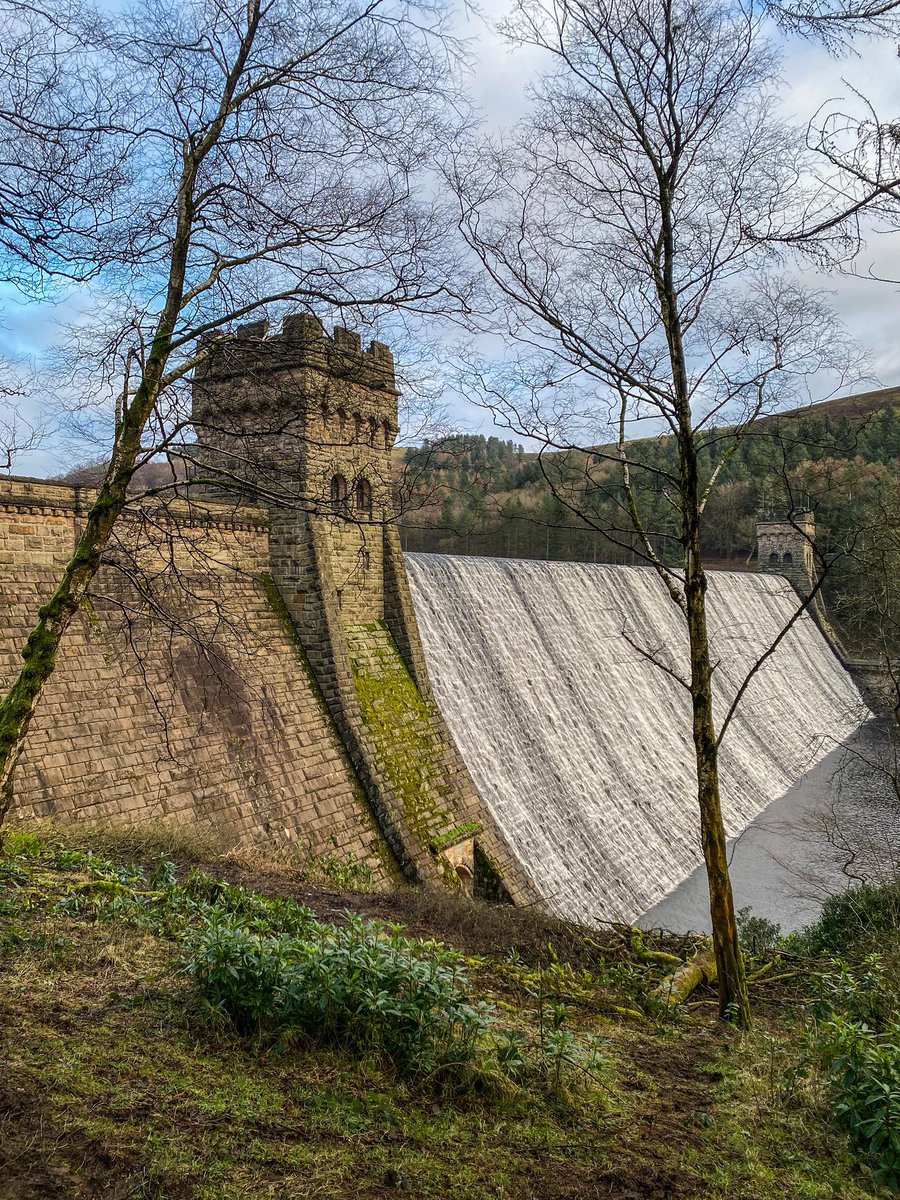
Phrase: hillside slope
(119,1079)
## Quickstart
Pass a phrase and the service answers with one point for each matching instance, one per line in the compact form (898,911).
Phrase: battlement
(22,494)
(301,344)
(803,521)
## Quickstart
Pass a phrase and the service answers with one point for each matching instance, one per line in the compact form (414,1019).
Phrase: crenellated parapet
(252,352)
(302,342)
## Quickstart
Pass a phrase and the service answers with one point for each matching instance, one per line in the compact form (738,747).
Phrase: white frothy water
(582,747)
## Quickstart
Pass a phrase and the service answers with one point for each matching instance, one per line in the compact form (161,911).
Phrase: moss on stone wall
(402,728)
(459,833)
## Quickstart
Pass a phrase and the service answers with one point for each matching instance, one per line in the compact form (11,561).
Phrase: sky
(869,308)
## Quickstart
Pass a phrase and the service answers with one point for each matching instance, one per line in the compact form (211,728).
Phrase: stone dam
(283,677)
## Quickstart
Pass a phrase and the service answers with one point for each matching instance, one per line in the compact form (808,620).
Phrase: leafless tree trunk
(617,226)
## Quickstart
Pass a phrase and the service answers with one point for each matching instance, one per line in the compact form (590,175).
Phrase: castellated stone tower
(306,424)
(785,547)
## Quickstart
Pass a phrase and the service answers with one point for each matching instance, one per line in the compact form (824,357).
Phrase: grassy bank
(131,1071)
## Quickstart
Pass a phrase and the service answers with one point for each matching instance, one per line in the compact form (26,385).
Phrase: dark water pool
(836,826)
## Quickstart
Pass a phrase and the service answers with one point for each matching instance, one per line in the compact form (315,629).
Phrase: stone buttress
(307,423)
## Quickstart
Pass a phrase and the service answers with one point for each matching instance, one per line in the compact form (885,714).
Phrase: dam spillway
(581,745)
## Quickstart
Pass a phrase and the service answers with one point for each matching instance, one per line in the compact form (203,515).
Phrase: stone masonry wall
(203,712)
(314,418)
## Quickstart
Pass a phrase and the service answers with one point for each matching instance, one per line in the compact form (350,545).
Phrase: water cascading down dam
(581,745)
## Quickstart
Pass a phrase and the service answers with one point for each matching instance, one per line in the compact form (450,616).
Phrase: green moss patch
(453,836)
(401,726)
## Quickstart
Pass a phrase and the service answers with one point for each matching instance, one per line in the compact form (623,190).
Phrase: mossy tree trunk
(734,1002)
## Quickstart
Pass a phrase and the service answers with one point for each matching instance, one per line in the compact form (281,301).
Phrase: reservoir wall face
(560,684)
(257,658)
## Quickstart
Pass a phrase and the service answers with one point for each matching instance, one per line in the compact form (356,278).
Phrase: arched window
(773,558)
(362,493)
(338,493)
(788,559)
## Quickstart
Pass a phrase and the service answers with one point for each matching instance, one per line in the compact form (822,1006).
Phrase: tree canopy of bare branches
(203,160)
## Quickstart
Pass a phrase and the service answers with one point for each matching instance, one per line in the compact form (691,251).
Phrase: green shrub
(165,875)
(858,1042)
(864,992)
(341,872)
(70,860)
(758,936)
(854,919)
(363,987)
(13,872)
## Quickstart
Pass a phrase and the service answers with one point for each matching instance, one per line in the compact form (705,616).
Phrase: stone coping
(21,493)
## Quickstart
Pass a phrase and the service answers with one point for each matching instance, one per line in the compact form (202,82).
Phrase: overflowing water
(558,681)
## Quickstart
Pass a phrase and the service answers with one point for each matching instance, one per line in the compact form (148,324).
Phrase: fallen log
(676,988)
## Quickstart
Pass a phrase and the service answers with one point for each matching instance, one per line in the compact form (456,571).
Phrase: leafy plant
(165,876)
(758,935)
(558,1047)
(863,993)
(363,986)
(858,1041)
(17,843)
(12,872)
(864,1072)
(70,860)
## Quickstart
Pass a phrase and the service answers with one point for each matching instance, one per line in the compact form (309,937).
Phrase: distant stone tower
(785,547)
(306,423)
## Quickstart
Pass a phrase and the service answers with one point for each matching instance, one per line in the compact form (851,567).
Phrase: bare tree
(618,225)
(64,156)
(835,23)
(251,154)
